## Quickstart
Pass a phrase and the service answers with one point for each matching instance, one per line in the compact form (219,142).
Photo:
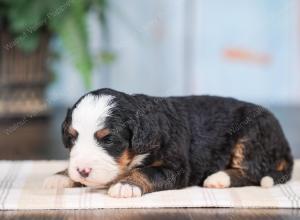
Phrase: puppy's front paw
(217,180)
(57,181)
(124,190)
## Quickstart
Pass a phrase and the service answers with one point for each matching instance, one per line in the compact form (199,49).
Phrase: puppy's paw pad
(217,180)
(57,182)
(124,190)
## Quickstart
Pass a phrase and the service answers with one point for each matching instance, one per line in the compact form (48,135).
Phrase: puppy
(137,144)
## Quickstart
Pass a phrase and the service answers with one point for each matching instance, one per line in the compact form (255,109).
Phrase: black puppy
(136,144)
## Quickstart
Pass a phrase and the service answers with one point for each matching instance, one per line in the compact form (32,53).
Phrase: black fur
(194,137)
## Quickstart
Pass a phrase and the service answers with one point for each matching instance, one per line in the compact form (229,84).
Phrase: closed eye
(72,136)
(107,139)
(104,136)
(72,139)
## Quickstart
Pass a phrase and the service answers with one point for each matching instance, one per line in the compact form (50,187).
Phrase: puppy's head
(106,138)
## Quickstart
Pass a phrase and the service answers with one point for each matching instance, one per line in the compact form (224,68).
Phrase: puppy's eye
(107,139)
(72,135)
(72,140)
(104,136)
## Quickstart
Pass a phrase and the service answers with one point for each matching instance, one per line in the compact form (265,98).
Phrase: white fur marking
(267,182)
(57,181)
(91,112)
(137,160)
(88,117)
(124,190)
(217,180)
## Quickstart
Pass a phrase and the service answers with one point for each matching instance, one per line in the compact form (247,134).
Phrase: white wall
(167,47)
(267,27)
(148,39)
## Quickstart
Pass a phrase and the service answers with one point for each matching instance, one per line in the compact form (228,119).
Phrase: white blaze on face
(87,118)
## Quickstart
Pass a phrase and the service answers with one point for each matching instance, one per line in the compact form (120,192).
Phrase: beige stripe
(235,198)
(204,196)
(59,198)
(255,197)
(290,195)
(9,183)
(27,194)
(32,194)
(214,198)
(5,179)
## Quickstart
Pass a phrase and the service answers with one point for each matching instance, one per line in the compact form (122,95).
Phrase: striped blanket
(21,189)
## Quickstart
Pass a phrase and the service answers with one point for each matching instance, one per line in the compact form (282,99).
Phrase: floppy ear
(65,127)
(145,133)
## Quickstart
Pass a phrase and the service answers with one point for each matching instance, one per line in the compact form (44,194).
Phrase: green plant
(27,19)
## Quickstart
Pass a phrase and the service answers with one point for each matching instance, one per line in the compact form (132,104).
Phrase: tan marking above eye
(72,132)
(102,133)
(157,163)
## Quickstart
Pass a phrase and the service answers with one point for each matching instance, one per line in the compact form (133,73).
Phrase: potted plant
(26,26)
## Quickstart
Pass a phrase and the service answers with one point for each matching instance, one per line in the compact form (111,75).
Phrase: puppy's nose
(85,172)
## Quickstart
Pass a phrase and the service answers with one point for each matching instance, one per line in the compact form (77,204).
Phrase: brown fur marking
(63,172)
(238,155)
(157,163)
(137,178)
(281,166)
(102,133)
(72,132)
(124,160)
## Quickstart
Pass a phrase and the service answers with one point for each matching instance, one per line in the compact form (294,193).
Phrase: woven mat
(21,189)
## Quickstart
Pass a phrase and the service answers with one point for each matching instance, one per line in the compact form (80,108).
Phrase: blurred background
(53,51)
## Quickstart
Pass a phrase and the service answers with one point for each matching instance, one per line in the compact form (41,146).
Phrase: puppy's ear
(65,127)
(145,132)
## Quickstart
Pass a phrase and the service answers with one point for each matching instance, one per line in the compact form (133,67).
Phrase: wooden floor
(36,138)
(152,214)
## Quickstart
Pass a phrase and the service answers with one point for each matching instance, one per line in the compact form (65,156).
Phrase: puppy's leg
(253,161)
(229,178)
(144,180)
(58,181)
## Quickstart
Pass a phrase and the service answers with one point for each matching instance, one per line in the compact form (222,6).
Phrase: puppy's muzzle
(84,172)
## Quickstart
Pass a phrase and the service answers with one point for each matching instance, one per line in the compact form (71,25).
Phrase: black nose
(85,172)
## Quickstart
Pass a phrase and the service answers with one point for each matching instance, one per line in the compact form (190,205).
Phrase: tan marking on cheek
(72,132)
(124,160)
(238,155)
(157,163)
(137,178)
(102,133)
(281,165)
